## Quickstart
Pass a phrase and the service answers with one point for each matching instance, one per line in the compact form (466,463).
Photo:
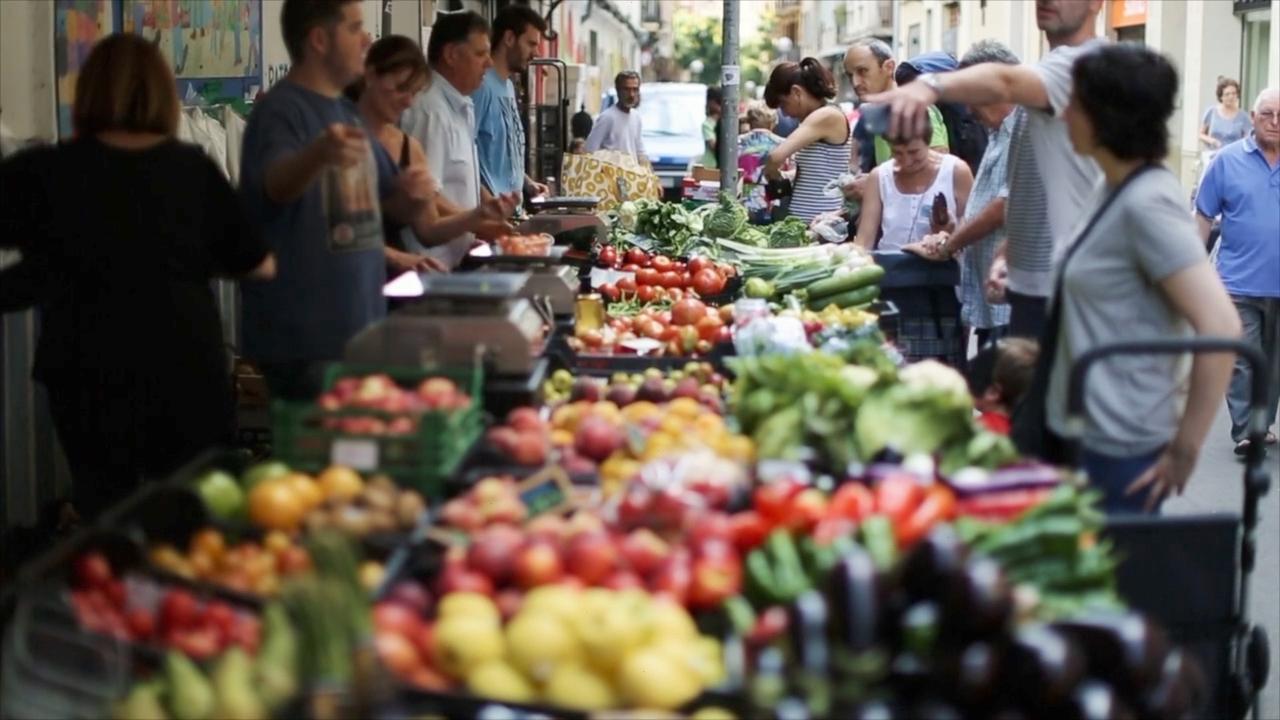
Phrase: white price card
(730,75)
(359,455)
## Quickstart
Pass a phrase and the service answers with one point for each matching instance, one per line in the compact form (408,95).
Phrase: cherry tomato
(636,256)
(661,263)
(708,282)
(852,501)
(646,293)
(627,286)
(608,256)
(647,276)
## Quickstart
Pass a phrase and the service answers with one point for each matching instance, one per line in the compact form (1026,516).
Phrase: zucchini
(853,280)
(849,299)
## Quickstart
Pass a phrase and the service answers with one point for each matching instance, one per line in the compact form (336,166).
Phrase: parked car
(672,116)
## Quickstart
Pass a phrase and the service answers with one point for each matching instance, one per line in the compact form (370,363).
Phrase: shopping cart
(1201,600)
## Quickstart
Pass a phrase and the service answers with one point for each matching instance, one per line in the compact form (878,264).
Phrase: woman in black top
(121,231)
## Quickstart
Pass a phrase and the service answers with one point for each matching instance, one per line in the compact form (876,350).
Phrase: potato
(409,507)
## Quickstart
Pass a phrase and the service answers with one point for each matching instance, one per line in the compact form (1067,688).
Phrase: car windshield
(672,114)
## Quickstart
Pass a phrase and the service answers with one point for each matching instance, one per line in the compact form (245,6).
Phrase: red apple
(493,550)
(411,594)
(462,515)
(454,579)
(633,511)
(507,510)
(623,580)
(644,550)
(538,563)
(592,556)
(547,526)
(597,439)
(583,522)
(509,602)
(525,419)
(503,439)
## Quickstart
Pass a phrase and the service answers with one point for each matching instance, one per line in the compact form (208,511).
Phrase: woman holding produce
(898,202)
(820,145)
(394,73)
(1136,269)
(121,231)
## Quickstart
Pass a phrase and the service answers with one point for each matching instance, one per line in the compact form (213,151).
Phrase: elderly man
(1044,89)
(1243,186)
(618,128)
(870,66)
(981,231)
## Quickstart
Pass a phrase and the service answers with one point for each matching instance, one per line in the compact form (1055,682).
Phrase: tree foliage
(698,38)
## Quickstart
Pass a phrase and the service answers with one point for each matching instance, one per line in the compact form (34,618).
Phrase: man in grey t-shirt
(1044,90)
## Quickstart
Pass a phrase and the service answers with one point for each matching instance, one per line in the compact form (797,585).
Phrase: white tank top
(904,219)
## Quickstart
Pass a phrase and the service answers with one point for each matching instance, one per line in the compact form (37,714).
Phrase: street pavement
(1216,487)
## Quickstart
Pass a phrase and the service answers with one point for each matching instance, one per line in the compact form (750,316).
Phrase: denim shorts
(1112,475)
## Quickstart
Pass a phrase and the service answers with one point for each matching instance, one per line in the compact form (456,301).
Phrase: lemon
(471,605)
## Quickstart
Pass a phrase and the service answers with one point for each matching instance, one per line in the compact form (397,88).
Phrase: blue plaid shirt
(990,184)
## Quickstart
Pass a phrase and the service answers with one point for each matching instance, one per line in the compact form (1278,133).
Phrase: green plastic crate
(423,460)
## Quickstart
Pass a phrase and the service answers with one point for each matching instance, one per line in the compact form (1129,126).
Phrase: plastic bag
(352,212)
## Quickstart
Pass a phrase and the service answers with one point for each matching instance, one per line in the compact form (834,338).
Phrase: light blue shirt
(990,184)
(1242,187)
(499,135)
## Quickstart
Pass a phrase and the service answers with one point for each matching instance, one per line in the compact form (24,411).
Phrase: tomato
(851,501)
(708,327)
(660,293)
(698,263)
(636,256)
(654,329)
(179,609)
(646,293)
(938,505)
(676,294)
(723,335)
(608,256)
(688,312)
(748,530)
(220,616)
(92,569)
(711,526)
(664,317)
(897,496)
(772,500)
(630,267)
(679,266)
(610,292)
(726,314)
(805,509)
(670,333)
(661,263)
(647,276)
(669,279)
(627,286)
(708,282)
(142,624)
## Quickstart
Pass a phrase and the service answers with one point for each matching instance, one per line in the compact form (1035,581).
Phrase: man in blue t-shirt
(330,259)
(1242,185)
(517,31)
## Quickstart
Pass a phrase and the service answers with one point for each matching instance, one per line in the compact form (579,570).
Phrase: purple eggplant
(856,601)
(1096,700)
(1122,649)
(1044,666)
(934,567)
(1180,691)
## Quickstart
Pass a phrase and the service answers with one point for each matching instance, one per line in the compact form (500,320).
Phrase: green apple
(221,493)
(262,471)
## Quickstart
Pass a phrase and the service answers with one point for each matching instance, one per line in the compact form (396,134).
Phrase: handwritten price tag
(359,455)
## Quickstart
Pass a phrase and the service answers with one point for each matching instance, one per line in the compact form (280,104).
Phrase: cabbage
(727,220)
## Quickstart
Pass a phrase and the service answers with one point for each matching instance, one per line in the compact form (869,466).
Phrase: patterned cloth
(990,184)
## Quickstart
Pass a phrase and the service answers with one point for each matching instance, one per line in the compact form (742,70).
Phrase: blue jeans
(1112,475)
(1261,320)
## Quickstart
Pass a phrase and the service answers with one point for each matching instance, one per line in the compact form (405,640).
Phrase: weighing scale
(570,220)
(457,318)
(553,282)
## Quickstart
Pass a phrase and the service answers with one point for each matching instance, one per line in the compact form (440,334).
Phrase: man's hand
(1168,477)
(402,262)
(537,189)
(908,108)
(996,280)
(493,229)
(341,145)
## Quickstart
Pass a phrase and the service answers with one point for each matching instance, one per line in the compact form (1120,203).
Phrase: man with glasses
(1242,185)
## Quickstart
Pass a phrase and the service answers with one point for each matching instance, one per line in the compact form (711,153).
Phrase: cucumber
(857,279)
(848,299)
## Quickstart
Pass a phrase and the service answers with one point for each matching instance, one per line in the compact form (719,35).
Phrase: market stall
(705,484)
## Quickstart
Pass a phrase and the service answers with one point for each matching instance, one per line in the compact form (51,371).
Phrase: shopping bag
(612,176)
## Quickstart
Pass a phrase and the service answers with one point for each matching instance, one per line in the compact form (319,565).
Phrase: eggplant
(807,625)
(1122,648)
(856,601)
(1180,691)
(1023,476)
(934,566)
(980,605)
(934,710)
(977,674)
(1044,666)
(770,682)
(1096,700)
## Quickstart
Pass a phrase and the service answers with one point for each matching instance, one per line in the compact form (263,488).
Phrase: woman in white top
(897,203)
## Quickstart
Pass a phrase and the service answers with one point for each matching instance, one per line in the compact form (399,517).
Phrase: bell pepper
(715,580)
(1003,505)
(851,501)
(775,573)
(939,504)
(897,497)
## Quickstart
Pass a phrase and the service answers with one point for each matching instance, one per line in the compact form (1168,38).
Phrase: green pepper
(879,540)
(788,570)
(761,584)
(741,615)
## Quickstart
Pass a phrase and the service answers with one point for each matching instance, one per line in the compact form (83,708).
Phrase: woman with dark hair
(121,230)
(1136,269)
(1224,122)
(394,73)
(820,144)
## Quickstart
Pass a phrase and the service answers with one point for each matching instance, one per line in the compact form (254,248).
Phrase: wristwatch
(934,82)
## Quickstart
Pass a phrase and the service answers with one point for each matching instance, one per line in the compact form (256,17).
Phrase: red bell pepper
(939,505)
(851,501)
(748,530)
(897,496)
(1003,505)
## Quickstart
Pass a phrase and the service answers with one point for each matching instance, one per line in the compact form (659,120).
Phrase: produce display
(687,328)
(658,278)
(395,410)
(247,566)
(525,245)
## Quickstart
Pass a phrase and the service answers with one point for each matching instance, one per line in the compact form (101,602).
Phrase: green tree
(698,38)
(757,53)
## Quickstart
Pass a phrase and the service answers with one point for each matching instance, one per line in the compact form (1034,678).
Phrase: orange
(340,482)
(307,490)
(274,505)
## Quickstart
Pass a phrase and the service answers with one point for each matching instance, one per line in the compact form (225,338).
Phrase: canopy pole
(730,77)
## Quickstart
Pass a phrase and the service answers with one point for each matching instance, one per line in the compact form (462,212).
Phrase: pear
(142,703)
(190,694)
(276,669)
(233,686)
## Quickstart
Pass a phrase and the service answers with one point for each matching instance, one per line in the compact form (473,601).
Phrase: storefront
(1128,20)
(1255,46)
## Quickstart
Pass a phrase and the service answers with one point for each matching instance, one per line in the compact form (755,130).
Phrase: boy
(998,378)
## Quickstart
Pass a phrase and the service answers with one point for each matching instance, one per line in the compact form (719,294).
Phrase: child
(998,378)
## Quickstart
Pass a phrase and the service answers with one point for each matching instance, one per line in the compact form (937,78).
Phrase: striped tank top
(817,165)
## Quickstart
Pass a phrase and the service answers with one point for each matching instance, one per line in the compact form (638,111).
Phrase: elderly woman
(121,231)
(1135,269)
(1225,122)
(753,150)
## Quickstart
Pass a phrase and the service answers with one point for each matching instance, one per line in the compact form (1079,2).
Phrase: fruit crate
(422,459)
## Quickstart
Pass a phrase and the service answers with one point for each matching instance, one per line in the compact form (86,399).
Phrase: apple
(492,552)
(592,556)
(598,439)
(531,448)
(687,388)
(583,522)
(585,389)
(506,509)
(538,563)
(623,580)
(653,390)
(547,526)
(460,579)
(503,439)
(644,551)
(525,419)
(621,395)
(437,392)
(461,514)
(411,594)
(633,511)
(221,494)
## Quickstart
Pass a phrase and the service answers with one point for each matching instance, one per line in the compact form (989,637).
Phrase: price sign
(730,75)
(359,455)
(548,490)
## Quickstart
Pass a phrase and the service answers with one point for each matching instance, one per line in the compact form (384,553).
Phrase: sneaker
(1242,447)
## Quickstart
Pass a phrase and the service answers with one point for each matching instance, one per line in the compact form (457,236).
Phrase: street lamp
(782,45)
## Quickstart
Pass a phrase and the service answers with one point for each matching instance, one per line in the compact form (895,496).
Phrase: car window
(678,114)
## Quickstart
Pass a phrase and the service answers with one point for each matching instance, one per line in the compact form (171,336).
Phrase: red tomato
(698,263)
(178,610)
(938,505)
(626,285)
(636,256)
(711,526)
(748,530)
(897,497)
(724,335)
(647,276)
(646,293)
(676,294)
(805,509)
(679,266)
(661,263)
(660,293)
(608,256)
(664,317)
(92,569)
(669,279)
(709,327)
(630,267)
(610,292)
(142,624)
(670,333)
(708,282)
(688,312)
(852,501)
(654,329)
(772,500)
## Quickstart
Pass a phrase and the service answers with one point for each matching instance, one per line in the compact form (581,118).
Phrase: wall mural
(201,38)
(77,26)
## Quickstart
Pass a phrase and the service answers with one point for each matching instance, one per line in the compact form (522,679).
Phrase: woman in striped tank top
(821,144)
